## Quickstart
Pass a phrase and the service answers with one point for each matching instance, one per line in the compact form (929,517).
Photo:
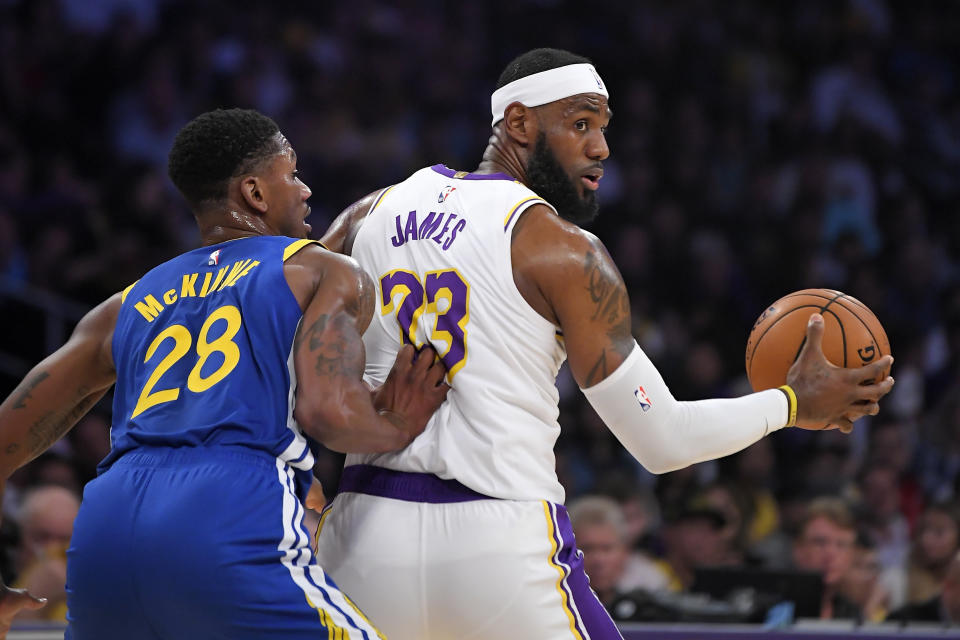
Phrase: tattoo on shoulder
(30,386)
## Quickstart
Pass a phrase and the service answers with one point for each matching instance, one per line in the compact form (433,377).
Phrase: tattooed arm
(333,405)
(59,390)
(567,276)
(575,285)
(49,401)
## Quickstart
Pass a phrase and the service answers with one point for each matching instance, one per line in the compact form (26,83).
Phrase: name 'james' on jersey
(438,247)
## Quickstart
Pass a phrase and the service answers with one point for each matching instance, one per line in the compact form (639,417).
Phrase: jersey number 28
(182,340)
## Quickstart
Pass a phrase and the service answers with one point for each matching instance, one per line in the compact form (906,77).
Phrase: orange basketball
(852,335)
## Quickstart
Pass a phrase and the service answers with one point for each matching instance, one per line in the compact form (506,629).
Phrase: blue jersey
(203,354)
(194,526)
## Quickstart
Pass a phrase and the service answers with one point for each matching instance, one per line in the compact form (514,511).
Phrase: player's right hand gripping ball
(852,335)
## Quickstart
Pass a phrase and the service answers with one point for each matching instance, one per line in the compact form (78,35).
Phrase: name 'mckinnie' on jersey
(203,349)
(438,248)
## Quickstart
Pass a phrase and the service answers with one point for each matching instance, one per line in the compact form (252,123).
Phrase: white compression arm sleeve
(665,434)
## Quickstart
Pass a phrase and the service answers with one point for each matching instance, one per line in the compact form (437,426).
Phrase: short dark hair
(535,61)
(216,146)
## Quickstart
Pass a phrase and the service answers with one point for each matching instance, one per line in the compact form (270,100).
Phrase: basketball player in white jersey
(462,534)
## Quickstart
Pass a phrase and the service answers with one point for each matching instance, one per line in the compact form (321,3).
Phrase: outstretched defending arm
(567,275)
(333,404)
(50,400)
(59,391)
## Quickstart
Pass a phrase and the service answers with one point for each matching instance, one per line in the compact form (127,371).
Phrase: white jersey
(438,248)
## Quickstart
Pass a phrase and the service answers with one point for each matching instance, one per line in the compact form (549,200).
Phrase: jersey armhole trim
(512,219)
(376,203)
(123,296)
(523,205)
(295,246)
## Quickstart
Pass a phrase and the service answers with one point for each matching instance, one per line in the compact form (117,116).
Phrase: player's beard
(548,180)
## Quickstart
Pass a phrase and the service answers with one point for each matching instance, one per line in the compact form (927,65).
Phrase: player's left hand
(12,601)
(315,499)
(413,390)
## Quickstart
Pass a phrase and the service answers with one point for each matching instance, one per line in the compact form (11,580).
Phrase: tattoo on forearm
(30,386)
(620,332)
(599,370)
(53,425)
(612,307)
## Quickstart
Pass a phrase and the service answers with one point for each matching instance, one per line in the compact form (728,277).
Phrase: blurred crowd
(757,148)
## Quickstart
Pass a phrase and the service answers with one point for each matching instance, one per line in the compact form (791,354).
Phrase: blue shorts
(199,543)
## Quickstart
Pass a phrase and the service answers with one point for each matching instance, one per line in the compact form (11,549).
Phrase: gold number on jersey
(181,344)
(415,299)
(182,340)
(224,344)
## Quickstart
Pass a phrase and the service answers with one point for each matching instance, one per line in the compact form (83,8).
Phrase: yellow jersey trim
(296,246)
(513,210)
(123,296)
(380,198)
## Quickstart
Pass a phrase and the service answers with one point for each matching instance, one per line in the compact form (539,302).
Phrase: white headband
(547,86)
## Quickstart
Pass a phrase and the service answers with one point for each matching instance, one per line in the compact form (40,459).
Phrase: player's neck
(501,158)
(221,226)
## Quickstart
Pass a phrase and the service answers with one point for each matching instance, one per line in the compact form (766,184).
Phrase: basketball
(852,335)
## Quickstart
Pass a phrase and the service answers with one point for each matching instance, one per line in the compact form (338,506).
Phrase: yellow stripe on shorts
(551,529)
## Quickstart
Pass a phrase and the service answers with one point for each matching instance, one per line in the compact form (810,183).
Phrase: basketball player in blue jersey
(463,533)
(230,362)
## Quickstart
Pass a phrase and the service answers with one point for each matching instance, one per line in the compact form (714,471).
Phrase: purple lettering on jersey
(460,226)
(439,237)
(449,321)
(410,304)
(430,224)
(410,232)
(398,239)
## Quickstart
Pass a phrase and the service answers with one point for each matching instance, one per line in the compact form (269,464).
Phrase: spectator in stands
(735,507)
(754,474)
(862,585)
(936,542)
(825,543)
(891,444)
(46,525)
(600,527)
(943,607)
(880,516)
(693,538)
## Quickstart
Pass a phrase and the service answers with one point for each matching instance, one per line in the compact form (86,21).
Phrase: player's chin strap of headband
(547,86)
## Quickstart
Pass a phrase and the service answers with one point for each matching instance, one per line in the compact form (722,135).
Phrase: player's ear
(251,189)
(519,123)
